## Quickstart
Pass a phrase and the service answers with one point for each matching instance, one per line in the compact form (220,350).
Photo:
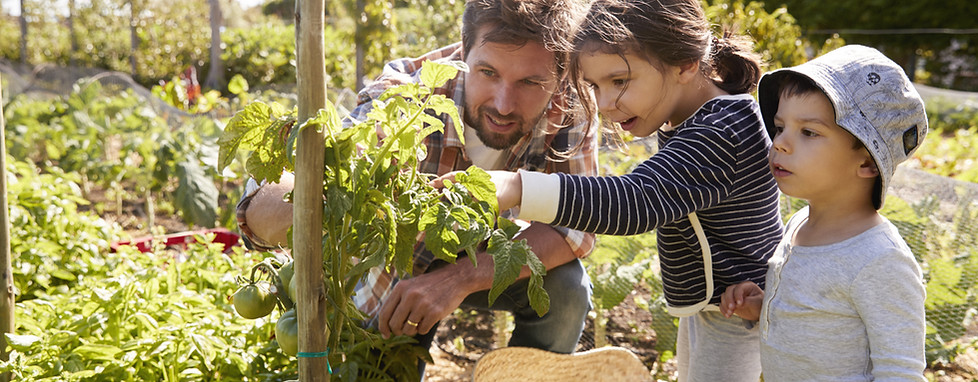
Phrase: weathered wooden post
(307,218)
(6,274)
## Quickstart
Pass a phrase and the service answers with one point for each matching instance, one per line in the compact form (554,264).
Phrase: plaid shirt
(446,153)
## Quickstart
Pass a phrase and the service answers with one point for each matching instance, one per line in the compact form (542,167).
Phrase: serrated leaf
(440,104)
(508,261)
(611,288)
(434,74)
(509,257)
(241,130)
(509,228)
(338,203)
(479,183)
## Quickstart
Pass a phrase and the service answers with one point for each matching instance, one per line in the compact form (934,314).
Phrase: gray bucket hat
(873,99)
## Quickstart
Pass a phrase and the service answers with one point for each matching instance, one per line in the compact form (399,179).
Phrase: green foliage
(188,97)
(84,313)
(55,244)
(425,25)
(379,203)
(896,25)
(954,156)
(9,38)
(948,253)
(950,148)
(617,264)
(261,54)
(145,317)
(114,140)
(775,34)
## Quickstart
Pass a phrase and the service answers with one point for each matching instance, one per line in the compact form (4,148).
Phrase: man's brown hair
(550,23)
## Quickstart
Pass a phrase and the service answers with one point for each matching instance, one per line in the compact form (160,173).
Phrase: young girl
(653,66)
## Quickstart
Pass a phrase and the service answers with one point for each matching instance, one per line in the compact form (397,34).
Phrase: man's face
(507,90)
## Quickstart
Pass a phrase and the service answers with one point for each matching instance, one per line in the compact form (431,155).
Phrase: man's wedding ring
(412,323)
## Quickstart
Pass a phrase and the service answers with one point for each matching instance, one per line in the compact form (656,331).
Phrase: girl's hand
(742,299)
(509,187)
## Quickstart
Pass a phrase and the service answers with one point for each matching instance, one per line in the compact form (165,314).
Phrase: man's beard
(494,140)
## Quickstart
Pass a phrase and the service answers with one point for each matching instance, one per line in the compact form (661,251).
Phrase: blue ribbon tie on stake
(317,355)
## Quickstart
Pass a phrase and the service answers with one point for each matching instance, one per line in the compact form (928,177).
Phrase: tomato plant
(379,204)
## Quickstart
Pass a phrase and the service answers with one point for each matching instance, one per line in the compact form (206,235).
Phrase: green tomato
(293,291)
(286,272)
(287,333)
(254,300)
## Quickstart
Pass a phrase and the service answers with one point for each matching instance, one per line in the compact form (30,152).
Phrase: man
(516,115)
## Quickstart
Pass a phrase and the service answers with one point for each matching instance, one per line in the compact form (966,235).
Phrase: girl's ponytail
(736,67)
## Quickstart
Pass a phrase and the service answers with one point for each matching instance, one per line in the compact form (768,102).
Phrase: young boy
(844,297)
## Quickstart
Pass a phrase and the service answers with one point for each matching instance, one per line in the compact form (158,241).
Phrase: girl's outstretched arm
(509,187)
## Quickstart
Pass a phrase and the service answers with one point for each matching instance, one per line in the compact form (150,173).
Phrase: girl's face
(631,91)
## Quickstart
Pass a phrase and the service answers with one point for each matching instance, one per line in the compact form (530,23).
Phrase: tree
(23,31)
(215,75)
(133,37)
(71,30)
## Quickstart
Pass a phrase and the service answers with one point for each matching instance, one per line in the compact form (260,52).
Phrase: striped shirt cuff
(540,195)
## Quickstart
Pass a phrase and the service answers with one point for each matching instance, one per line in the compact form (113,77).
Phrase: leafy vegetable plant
(377,207)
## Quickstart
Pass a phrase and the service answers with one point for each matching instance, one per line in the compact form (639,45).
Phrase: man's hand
(742,299)
(416,304)
(509,187)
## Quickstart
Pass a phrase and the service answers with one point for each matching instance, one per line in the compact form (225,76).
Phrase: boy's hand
(509,187)
(742,299)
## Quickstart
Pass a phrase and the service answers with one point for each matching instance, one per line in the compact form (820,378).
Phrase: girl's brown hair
(665,32)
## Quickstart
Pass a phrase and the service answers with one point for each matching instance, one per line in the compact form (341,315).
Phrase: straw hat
(512,364)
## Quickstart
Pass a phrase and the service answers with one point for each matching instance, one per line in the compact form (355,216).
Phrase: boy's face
(631,91)
(507,89)
(812,158)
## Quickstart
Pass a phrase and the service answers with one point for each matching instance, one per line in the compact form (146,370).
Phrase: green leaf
(21,343)
(99,352)
(264,129)
(196,195)
(238,85)
(203,346)
(611,288)
(444,105)
(509,257)
(479,183)
(63,274)
(434,74)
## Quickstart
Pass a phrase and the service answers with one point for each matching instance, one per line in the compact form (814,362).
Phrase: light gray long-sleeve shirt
(848,311)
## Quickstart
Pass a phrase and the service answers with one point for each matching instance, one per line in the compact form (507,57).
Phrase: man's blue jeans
(560,328)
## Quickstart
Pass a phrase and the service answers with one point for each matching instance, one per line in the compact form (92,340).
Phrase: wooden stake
(307,218)
(6,274)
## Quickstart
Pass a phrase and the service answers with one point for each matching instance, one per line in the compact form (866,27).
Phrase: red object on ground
(181,239)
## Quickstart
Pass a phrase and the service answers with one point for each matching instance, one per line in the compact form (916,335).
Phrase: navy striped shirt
(715,164)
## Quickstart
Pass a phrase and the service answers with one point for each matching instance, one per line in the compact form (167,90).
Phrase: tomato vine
(377,206)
